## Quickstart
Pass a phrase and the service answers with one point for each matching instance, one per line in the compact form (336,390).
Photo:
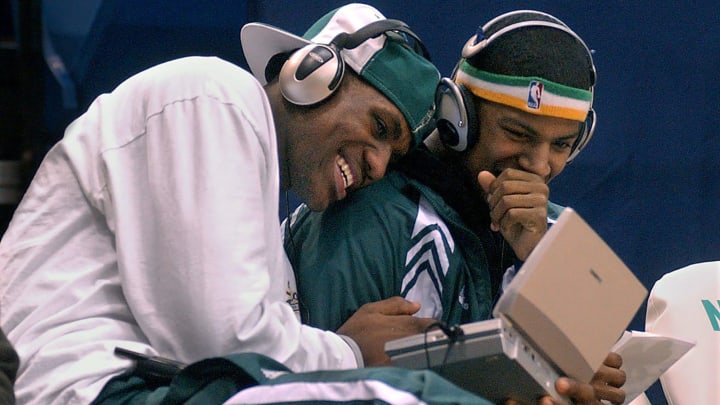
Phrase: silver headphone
(315,71)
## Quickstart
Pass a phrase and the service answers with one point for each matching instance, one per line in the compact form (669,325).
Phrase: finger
(528,211)
(502,187)
(485,178)
(578,392)
(392,306)
(405,325)
(613,360)
(607,382)
(509,194)
(519,174)
(610,373)
(609,393)
(422,324)
(610,376)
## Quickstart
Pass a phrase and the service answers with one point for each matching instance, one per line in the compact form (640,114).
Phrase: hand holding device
(375,323)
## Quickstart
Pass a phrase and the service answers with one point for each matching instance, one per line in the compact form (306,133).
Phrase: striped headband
(531,94)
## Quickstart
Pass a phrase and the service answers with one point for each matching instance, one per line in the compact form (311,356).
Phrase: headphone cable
(454,334)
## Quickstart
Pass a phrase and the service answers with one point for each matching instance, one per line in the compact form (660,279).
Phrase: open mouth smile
(345,171)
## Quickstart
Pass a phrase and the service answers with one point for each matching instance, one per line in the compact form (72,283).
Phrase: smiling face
(511,138)
(345,143)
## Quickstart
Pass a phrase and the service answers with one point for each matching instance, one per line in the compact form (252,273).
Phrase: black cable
(454,334)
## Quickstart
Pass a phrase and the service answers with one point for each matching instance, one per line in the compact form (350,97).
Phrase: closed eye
(564,143)
(517,135)
(381,131)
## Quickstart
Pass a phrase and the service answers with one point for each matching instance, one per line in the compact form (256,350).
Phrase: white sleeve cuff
(356,350)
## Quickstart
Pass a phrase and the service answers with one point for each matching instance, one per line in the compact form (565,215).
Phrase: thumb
(485,178)
(393,306)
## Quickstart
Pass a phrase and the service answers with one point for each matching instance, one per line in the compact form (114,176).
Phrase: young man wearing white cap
(152,225)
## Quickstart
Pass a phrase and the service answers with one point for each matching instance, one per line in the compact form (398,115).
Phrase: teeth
(345,170)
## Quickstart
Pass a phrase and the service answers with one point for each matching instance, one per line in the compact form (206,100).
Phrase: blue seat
(63,34)
(90,46)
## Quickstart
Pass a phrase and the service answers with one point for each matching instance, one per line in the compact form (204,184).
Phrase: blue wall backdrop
(649,180)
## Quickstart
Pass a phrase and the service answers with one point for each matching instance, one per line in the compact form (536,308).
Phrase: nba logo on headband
(535,91)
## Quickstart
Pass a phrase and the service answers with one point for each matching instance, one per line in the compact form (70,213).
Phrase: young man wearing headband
(152,225)
(452,223)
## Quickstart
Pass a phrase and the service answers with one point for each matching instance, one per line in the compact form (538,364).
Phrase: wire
(454,334)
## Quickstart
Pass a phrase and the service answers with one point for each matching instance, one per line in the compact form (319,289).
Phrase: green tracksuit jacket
(418,233)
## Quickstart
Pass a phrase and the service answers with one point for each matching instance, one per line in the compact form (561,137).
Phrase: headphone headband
(474,45)
(346,40)
(315,71)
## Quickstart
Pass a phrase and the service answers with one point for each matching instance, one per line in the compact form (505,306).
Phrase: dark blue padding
(93,45)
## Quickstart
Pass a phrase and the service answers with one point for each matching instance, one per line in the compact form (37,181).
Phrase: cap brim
(260,42)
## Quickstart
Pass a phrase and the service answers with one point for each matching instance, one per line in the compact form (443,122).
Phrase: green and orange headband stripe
(532,94)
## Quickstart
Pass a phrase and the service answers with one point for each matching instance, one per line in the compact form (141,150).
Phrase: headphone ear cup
(456,116)
(311,74)
(473,122)
(586,132)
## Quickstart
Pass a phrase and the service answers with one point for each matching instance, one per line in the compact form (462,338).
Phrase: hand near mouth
(518,207)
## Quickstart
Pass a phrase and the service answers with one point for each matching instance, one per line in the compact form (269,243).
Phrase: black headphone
(315,71)
(456,116)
